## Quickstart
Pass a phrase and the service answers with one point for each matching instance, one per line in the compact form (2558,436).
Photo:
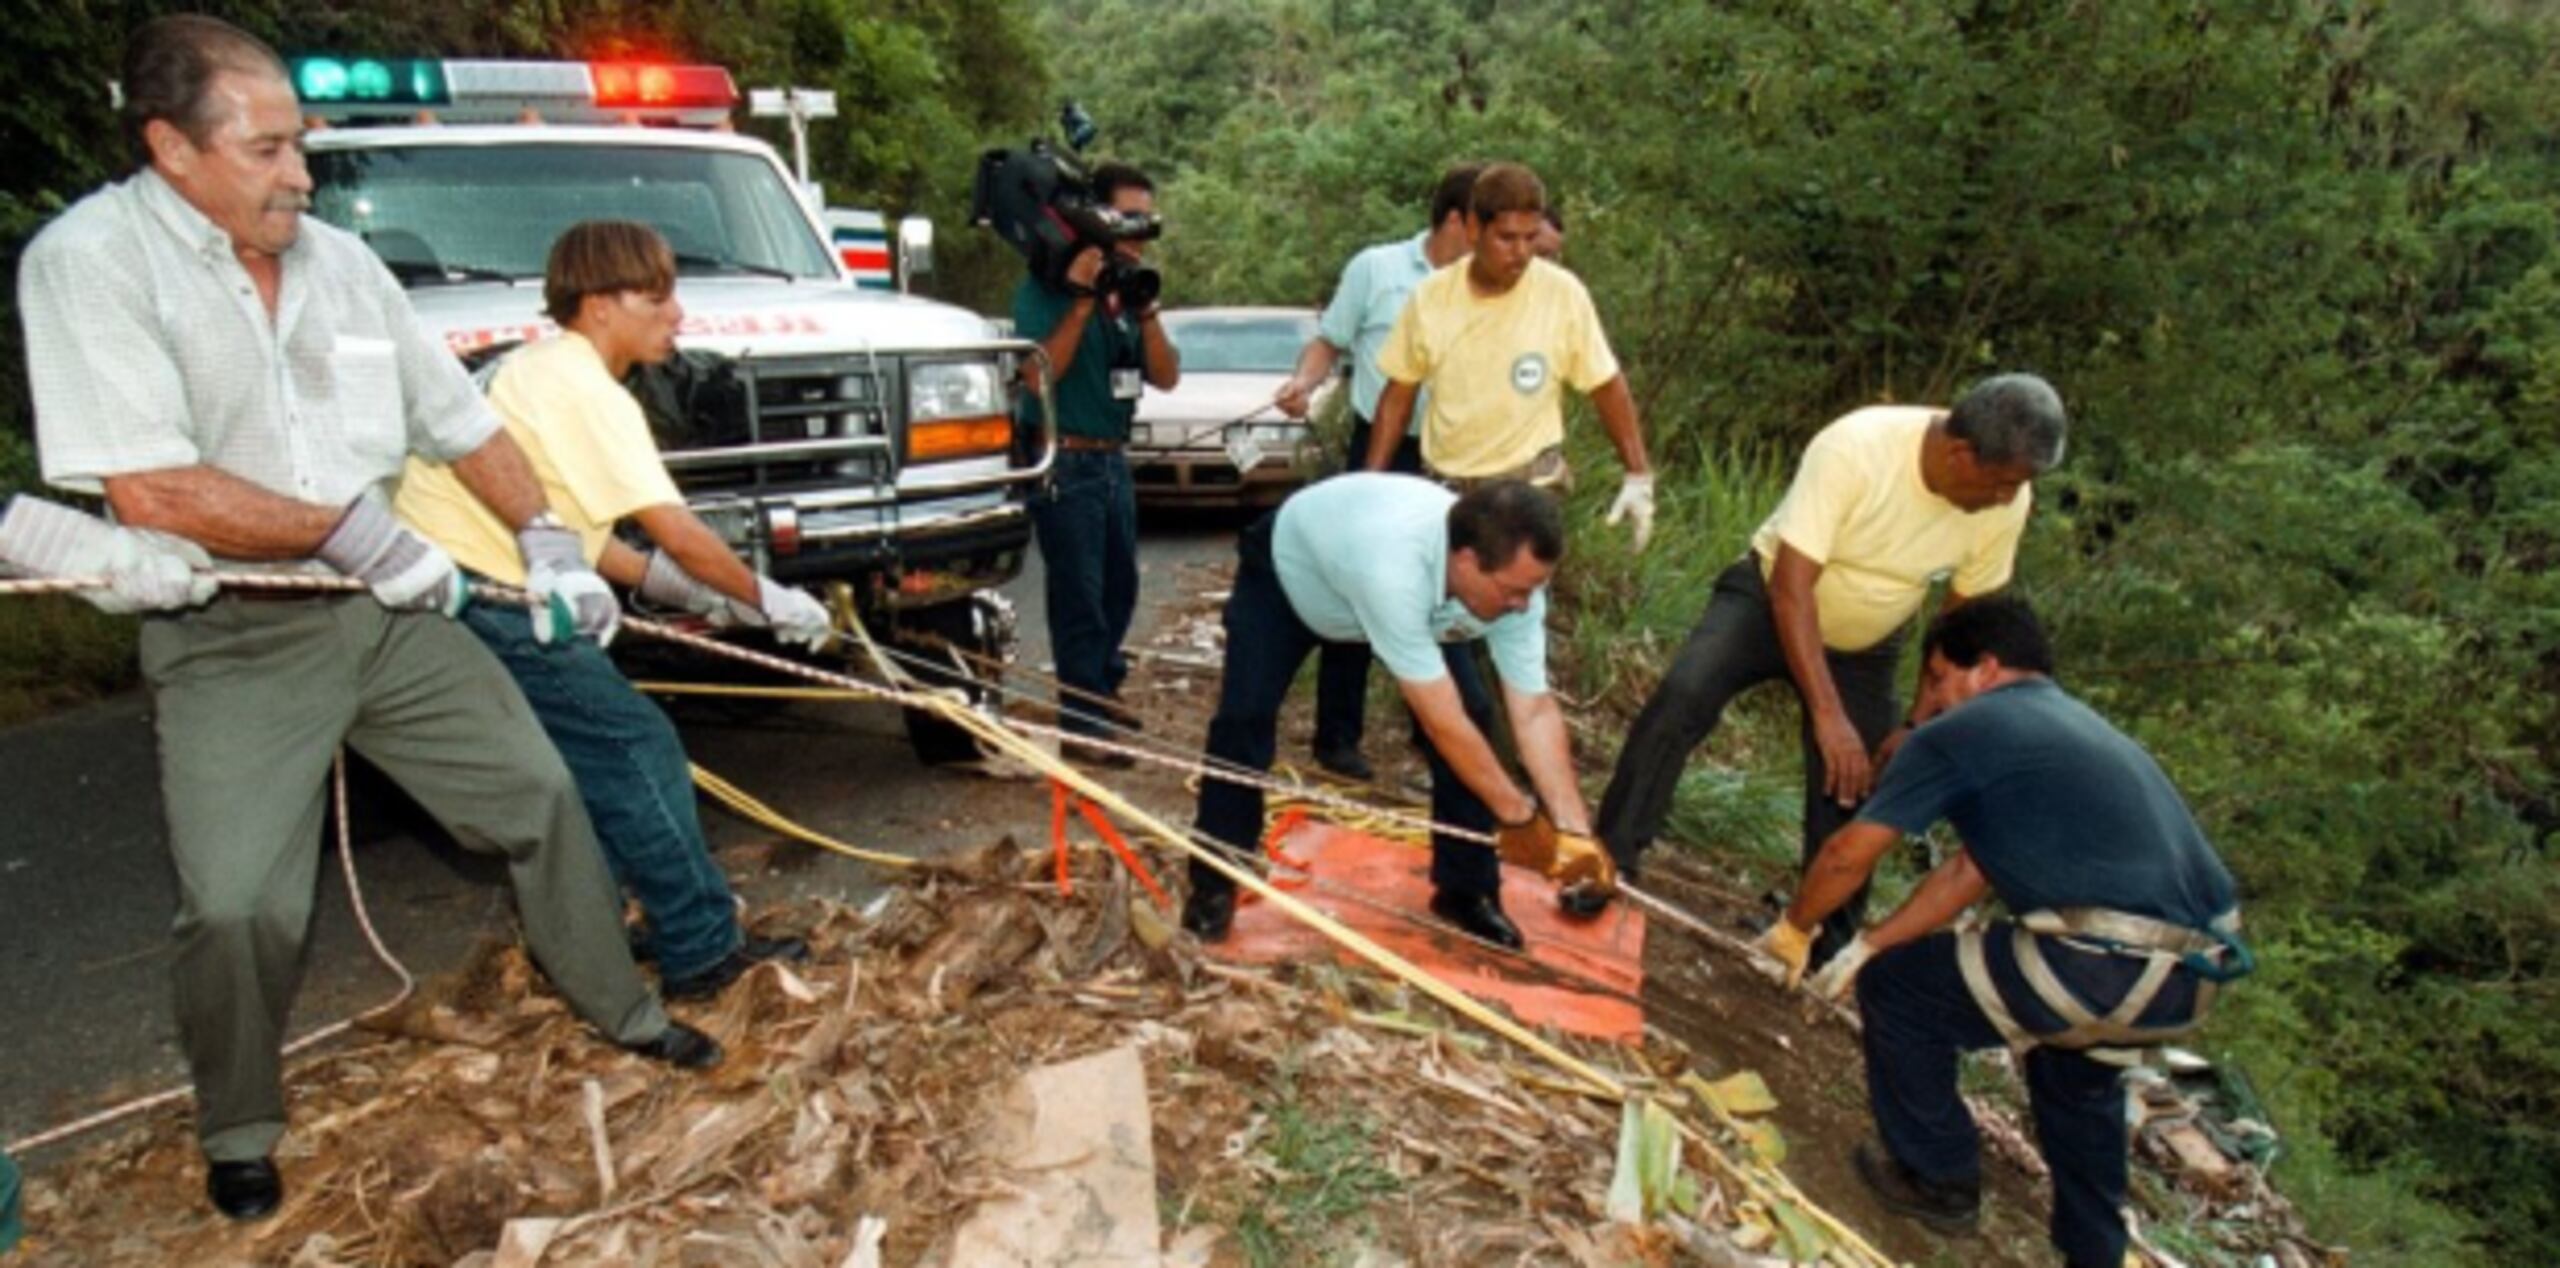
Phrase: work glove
(568,598)
(1635,502)
(1787,945)
(1833,981)
(1530,843)
(793,615)
(405,572)
(145,571)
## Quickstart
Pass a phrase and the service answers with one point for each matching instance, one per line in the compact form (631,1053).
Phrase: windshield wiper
(685,260)
(447,271)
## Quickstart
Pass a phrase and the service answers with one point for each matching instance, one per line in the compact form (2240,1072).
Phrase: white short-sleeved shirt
(1363,311)
(148,348)
(1364,558)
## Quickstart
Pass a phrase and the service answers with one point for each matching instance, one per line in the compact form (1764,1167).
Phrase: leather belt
(1089,444)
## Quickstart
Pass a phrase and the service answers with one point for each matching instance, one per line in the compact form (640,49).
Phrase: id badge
(1126,385)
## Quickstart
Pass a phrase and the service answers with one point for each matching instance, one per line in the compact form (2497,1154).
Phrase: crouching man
(244,382)
(2127,925)
(1417,573)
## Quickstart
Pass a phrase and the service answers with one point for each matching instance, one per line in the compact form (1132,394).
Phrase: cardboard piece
(1077,1145)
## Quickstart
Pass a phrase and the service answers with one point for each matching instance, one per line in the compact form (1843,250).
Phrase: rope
(1008,739)
(364,922)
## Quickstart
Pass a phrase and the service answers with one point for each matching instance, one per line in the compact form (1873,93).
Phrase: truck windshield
(447,213)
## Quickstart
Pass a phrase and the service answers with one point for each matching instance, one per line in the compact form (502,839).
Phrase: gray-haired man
(1887,501)
(232,375)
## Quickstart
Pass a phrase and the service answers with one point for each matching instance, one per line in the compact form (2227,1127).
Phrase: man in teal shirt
(1416,573)
(1087,519)
(1361,315)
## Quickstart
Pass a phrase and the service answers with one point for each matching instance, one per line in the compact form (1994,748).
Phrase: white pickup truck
(850,438)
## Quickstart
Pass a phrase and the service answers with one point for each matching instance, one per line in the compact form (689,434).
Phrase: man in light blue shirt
(1362,313)
(1415,572)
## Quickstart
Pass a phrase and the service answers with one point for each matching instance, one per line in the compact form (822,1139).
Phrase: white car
(1217,440)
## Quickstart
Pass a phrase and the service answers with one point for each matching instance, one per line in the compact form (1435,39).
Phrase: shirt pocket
(364,376)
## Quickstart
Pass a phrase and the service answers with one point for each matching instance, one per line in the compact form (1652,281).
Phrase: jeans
(1735,647)
(1087,523)
(1342,669)
(1919,1015)
(632,774)
(1266,644)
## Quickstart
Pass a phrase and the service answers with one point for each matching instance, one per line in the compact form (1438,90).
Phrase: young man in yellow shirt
(1496,337)
(1887,500)
(611,286)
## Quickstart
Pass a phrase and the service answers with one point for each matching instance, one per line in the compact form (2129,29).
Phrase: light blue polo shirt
(1363,313)
(1364,558)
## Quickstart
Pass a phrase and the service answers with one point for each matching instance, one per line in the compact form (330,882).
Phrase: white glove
(792,615)
(406,572)
(665,583)
(145,571)
(1833,981)
(795,616)
(1635,501)
(569,599)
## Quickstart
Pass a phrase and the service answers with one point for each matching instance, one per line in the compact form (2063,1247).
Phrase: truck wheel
(982,624)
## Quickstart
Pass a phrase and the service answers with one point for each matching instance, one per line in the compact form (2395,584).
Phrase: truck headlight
(957,409)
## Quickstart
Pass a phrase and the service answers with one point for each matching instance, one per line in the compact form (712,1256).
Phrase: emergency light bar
(353,89)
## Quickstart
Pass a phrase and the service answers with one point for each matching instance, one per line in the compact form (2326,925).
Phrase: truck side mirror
(915,249)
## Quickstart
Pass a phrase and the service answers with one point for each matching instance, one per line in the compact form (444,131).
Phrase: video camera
(1043,203)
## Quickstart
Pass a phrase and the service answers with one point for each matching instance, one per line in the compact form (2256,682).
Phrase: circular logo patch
(1529,373)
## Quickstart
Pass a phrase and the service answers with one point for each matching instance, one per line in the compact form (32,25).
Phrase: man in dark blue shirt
(2122,913)
(1103,356)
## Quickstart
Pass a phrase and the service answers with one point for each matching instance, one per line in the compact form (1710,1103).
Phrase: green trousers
(252,700)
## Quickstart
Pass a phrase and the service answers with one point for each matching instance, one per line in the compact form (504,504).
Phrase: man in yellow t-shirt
(611,286)
(1887,501)
(1497,336)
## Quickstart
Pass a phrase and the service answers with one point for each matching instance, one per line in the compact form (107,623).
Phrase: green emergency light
(390,81)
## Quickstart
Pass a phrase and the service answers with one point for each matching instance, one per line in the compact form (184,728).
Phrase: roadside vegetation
(2296,268)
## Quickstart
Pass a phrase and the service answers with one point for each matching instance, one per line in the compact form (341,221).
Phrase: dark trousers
(1266,645)
(1735,647)
(1919,1016)
(1342,669)
(1087,523)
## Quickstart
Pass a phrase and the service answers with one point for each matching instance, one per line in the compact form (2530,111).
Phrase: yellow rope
(736,799)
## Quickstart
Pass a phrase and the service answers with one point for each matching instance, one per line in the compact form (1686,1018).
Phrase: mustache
(296,203)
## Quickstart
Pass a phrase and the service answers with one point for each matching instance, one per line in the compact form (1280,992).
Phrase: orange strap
(1059,799)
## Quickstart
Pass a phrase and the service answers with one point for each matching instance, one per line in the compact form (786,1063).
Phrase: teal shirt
(1086,406)
(1363,312)
(1364,558)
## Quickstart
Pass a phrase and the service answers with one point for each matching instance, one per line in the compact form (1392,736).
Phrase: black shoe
(1117,712)
(1948,1208)
(1346,761)
(1208,913)
(713,980)
(1584,901)
(1480,916)
(681,1046)
(1083,753)
(244,1190)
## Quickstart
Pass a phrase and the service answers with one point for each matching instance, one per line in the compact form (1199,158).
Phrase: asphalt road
(86,890)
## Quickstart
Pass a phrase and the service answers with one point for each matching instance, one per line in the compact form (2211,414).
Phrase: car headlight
(954,389)
(957,409)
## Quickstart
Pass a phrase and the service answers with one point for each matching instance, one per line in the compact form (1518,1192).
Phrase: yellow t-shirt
(1496,368)
(1859,508)
(589,445)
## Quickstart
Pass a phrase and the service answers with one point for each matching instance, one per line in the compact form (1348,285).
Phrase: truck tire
(981,624)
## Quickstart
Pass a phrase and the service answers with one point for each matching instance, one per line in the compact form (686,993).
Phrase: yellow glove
(1787,945)
(1581,860)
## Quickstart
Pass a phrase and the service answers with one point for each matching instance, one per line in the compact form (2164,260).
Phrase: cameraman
(1101,355)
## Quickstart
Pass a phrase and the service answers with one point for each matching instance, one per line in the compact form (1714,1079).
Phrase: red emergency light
(638,85)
